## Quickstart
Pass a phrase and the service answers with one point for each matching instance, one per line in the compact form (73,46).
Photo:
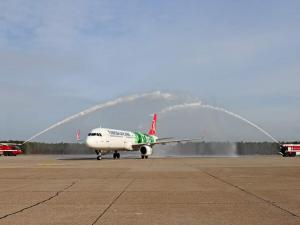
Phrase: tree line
(198,148)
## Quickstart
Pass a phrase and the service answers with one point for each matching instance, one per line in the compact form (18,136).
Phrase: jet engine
(145,151)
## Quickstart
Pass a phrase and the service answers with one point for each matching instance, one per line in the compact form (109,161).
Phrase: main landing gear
(99,154)
(116,155)
(144,156)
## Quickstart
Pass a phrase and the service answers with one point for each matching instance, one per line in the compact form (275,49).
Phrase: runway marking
(252,194)
(39,203)
(113,201)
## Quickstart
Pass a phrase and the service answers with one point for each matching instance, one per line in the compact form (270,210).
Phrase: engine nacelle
(146,150)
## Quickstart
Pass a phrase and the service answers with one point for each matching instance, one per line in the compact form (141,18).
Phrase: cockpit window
(94,134)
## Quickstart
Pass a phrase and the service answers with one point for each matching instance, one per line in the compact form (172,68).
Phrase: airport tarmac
(260,190)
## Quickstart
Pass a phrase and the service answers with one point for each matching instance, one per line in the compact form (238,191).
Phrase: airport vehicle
(289,150)
(104,140)
(10,149)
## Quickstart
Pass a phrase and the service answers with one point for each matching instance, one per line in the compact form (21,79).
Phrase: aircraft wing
(165,138)
(168,142)
(176,141)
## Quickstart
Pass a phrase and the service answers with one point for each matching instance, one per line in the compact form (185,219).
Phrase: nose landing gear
(99,154)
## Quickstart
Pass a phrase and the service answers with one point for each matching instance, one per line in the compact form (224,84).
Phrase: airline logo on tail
(152,131)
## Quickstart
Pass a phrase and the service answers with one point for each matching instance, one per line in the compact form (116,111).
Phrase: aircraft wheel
(116,155)
(99,154)
(142,156)
(146,157)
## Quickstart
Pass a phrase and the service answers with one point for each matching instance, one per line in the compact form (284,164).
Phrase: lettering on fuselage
(119,133)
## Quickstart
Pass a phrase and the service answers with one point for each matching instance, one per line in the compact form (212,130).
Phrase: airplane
(10,149)
(104,140)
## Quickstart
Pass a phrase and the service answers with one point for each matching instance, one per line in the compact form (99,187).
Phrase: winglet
(152,131)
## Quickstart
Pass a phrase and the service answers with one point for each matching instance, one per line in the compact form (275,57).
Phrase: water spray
(199,104)
(151,95)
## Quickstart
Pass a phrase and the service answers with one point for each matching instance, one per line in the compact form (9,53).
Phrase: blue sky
(59,57)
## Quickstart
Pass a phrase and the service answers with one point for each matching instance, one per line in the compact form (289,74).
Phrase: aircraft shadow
(88,158)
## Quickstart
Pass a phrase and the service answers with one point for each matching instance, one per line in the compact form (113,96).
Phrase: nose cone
(90,142)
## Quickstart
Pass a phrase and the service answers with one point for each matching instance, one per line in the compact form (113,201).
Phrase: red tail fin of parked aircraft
(78,135)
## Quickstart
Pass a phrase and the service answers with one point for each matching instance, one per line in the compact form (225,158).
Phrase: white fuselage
(105,139)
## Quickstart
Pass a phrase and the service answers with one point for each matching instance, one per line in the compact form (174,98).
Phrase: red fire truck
(290,150)
(10,149)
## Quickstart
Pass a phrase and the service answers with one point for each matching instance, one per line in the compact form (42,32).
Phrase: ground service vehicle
(290,150)
(10,149)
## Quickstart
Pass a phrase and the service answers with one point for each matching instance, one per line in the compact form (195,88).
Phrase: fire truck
(10,149)
(290,150)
